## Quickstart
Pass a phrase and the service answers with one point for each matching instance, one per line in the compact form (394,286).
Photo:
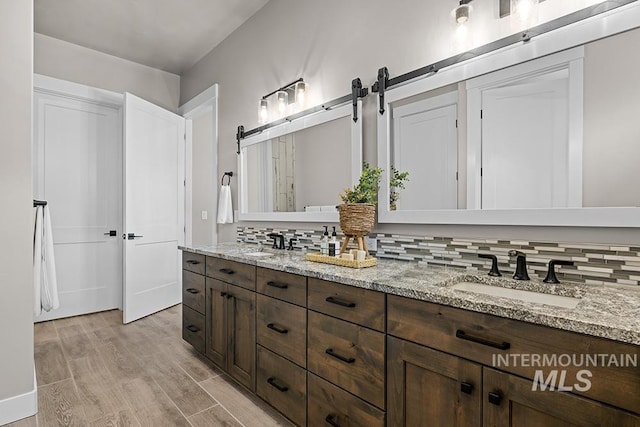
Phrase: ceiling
(170,35)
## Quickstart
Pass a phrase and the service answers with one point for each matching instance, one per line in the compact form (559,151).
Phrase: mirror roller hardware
(381,85)
(357,91)
(239,136)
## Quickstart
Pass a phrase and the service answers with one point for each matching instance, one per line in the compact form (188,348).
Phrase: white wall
(331,42)
(67,61)
(203,181)
(16,223)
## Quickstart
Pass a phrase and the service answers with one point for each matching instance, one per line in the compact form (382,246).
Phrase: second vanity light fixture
(462,12)
(292,93)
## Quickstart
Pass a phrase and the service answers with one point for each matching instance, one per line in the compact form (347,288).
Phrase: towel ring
(229,174)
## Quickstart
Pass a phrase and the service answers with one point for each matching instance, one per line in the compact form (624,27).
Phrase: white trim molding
(21,406)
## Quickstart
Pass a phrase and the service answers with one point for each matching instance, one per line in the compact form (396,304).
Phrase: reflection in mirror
(536,142)
(297,170)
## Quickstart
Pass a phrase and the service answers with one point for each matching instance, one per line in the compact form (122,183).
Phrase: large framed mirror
(295,171)
(542,132)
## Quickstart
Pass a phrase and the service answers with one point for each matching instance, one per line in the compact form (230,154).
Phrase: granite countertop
(603,311)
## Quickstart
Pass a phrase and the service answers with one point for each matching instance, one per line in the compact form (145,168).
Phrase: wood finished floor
(94,371)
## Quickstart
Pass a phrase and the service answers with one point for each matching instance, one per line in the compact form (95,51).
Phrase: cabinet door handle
(331,353)
(330,419)
(193,262)
(192,291)
(495,398)
(500,346)
(340,302)
(277,285)
(226,271)
(277,329)
(193,328)
(273,383)
(466,388)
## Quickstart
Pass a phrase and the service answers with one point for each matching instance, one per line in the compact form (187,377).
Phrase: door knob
(132,236)
(111,233)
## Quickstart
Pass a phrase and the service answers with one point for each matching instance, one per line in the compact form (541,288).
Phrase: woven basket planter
(357,219)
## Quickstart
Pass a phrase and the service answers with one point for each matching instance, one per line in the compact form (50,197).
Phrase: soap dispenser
(334,248)
(324,243)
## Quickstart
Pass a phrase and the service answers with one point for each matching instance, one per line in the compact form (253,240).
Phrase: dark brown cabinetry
(231,332)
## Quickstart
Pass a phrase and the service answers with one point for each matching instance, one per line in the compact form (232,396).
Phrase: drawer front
(236,273)
(515,346)
(193,291)
(193,262)
(282,328)
(283,385)
(193,328)
(328,405)
(285,286)
(348,355)
(356,305)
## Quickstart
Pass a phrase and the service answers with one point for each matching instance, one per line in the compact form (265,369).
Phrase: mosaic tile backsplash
(594,263)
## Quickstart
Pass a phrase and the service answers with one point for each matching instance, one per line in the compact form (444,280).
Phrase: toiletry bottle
(334,245)
(324,243)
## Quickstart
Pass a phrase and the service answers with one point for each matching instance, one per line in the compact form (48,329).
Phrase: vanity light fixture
(291,93)
(461,13)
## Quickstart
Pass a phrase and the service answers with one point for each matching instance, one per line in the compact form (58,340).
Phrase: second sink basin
(526,296)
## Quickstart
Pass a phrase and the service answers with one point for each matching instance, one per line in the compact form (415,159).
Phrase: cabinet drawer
(328,405)
(283,385)
(282,328)
(348,355)
(193,262)
(519,347)
(193,328)
(356,305)
(193,291)
(285,286)
(236,273)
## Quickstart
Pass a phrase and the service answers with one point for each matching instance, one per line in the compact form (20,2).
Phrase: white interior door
(426,143)
(78,170)
(525,144)
(154,207)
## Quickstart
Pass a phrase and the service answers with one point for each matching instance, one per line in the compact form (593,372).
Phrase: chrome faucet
(521,265)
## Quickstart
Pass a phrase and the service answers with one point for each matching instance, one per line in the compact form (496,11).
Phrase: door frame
(205,102)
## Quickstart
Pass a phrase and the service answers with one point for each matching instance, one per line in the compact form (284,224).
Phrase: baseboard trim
(18,407)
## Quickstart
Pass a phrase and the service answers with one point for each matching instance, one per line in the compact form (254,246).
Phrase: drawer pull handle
(343,303)
(193,262)
(229,296)
(500,346)
(277,329)
(495,398)
(226,271)
(273,383)
(466,388)
(331,420)
(193,329)
(331,353)
(223,294)
(277,285)
(192,291)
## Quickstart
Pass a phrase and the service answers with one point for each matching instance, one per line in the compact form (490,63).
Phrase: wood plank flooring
(94,371)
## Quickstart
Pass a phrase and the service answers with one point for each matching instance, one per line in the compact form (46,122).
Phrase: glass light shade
(301,91)
(263,111)
(461,13)
(524,13)
(282,100)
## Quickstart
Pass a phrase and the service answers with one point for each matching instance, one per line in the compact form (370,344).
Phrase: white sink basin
(527,296)
(258,254)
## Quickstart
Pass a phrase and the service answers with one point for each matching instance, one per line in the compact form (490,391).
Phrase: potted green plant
(358,210)
(396,182)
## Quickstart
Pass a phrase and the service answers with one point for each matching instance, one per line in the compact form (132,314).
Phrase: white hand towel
(49,290)
(225,206)
(37,259)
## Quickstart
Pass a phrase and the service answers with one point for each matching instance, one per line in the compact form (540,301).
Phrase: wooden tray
(326,259)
